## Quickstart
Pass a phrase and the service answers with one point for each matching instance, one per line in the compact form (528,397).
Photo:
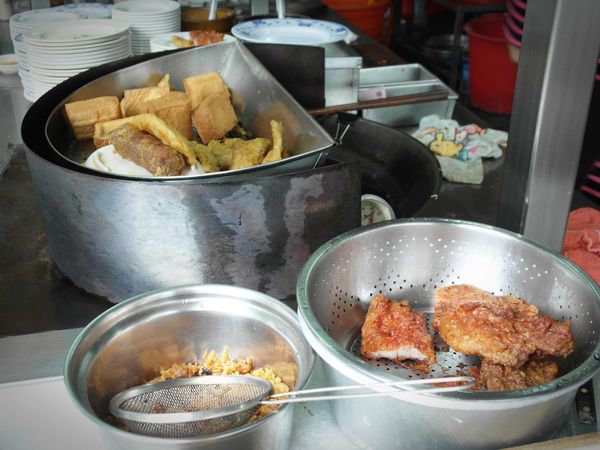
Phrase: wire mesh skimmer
(189,407)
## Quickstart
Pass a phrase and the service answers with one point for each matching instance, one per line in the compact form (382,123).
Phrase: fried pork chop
(502,330)
(495,377)
(393,331)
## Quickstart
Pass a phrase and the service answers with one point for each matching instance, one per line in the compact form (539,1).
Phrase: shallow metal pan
(259,95)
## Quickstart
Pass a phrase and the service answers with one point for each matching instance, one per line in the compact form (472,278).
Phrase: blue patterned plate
(290,31)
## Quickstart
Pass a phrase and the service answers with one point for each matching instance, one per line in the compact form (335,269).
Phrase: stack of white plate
(23,21)
(60,50)
(148,18)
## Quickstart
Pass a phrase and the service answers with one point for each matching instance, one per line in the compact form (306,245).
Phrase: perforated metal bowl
(409,259)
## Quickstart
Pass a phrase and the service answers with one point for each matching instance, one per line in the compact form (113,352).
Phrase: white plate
(92,10)
(290,31)
(76,32)
(8,63)
(145,8)
(25,20)
(117,44)
(122,41)
(163,42)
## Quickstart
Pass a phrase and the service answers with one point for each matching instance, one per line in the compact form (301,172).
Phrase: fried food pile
(515,342)
(212,364)
(167,131)
(394,331)
(198,38)
(512,338)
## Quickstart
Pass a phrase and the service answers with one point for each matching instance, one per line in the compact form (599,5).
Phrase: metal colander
(409,259)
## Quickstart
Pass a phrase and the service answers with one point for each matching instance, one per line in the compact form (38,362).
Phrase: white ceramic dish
(25,20)
(76,32)
(163,42)
(145,8)
(291,31)
(91,10)
(8,63)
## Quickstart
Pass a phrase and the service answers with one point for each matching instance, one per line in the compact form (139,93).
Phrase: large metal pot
(118,237)
(129,344)
(409,259)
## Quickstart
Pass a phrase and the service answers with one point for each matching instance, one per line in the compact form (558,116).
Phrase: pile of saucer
(24,21)
(148,18)
(60,50)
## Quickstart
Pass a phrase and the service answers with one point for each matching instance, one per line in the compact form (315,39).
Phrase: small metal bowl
(129,344)
(409,259)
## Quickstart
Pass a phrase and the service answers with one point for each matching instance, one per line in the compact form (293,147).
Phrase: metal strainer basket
(409,259)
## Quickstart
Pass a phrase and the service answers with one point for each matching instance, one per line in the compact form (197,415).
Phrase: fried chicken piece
(495,377)
(393,331)
(503,330)
(204,37)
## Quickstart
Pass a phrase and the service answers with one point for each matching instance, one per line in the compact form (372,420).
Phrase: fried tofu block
(174,108)
(249,153)
(83,115)
(200,87)
(392,330)
(103,129)
(133,98)
(214,118)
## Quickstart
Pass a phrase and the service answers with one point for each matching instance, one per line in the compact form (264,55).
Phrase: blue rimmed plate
(290,31)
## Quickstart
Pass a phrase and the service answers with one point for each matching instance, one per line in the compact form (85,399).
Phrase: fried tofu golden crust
(83,115)
(496,377)
(214,118)
(200,87)
(392,330)
(134,98)
(174,109)
(502,330)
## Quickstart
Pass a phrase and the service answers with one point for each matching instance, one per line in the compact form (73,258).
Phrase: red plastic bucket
(367,15)
(492,74)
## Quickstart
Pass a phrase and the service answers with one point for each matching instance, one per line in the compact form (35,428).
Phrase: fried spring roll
(146,151)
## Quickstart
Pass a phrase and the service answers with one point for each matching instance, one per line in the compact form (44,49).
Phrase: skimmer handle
(276,399)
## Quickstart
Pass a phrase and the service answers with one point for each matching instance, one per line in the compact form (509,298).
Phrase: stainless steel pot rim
(314,331)
(149,297)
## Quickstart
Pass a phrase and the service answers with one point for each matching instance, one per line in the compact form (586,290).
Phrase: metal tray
(257,97)
(404,80)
